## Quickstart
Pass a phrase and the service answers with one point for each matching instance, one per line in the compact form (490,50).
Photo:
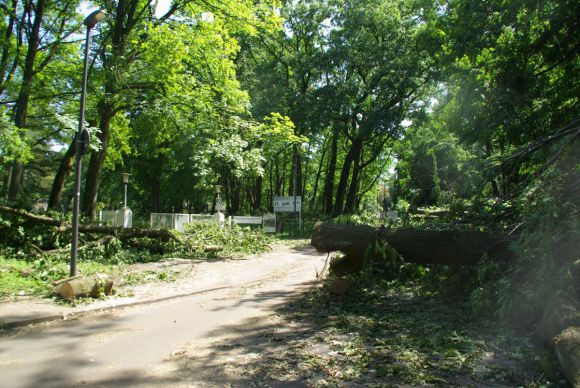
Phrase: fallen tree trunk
(421,246)
(84,286)
(567,346)
(119,232)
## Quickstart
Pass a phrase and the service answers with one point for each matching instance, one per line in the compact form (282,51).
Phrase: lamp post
(81,141)
(126,182)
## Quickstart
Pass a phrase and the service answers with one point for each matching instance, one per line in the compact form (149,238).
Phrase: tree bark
(15,187)
(330,172)
(342,183)
(7,179)
(303,181)
(93,179)
(567,346)
(425,247)
(316,181)
(258,194)
(64,170)
(298,172)
(350,204)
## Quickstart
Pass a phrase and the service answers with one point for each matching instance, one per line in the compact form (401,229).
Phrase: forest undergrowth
(393,329)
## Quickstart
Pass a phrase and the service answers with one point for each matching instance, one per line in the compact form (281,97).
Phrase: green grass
(12,282)
(26,272)
(34,276)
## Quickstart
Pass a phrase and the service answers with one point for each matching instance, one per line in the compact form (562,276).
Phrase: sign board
(286,204)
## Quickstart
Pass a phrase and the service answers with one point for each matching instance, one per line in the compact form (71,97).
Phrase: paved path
(179,341)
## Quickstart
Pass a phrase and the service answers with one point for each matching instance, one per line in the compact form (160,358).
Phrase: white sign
(286,204)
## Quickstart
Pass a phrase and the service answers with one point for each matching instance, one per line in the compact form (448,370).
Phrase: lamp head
(218,188)
(94,18)
(126,177)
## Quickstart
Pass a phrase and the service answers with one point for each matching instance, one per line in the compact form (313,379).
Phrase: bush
(234,240)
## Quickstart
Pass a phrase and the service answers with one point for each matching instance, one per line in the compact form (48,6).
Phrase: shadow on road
(63,341)
(233,353)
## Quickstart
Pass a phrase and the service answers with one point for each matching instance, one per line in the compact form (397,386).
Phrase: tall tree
(129,51)
(42,29)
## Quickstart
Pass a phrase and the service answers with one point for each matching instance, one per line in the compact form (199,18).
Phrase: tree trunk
(567,346)
(305,175)
(316,181)
(235,196)
(64,170)
(97,161)
(350,204)
(425,247)
(297,158)
(156,195)
(258,194)
(156,170)
(283,175)
(16,175)
(7,179)
(330,172)
(276,190)
(342,183)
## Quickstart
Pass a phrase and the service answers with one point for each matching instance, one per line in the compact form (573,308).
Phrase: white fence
(193,218)
(178,221)
(107,217)
(269,223)
(123,217)
(175,221)
(247,220)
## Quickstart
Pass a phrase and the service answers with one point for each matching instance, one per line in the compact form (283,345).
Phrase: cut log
(84,286)
(415,246)
(567,346)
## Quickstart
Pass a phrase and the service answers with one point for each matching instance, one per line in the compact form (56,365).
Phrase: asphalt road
(187,341)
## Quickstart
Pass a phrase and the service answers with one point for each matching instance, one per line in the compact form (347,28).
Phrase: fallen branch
(119,232)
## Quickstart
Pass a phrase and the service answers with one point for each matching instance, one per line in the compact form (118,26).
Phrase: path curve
(146,345)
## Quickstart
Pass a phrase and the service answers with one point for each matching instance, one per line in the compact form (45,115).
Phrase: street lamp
(126,182)
(81,141)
